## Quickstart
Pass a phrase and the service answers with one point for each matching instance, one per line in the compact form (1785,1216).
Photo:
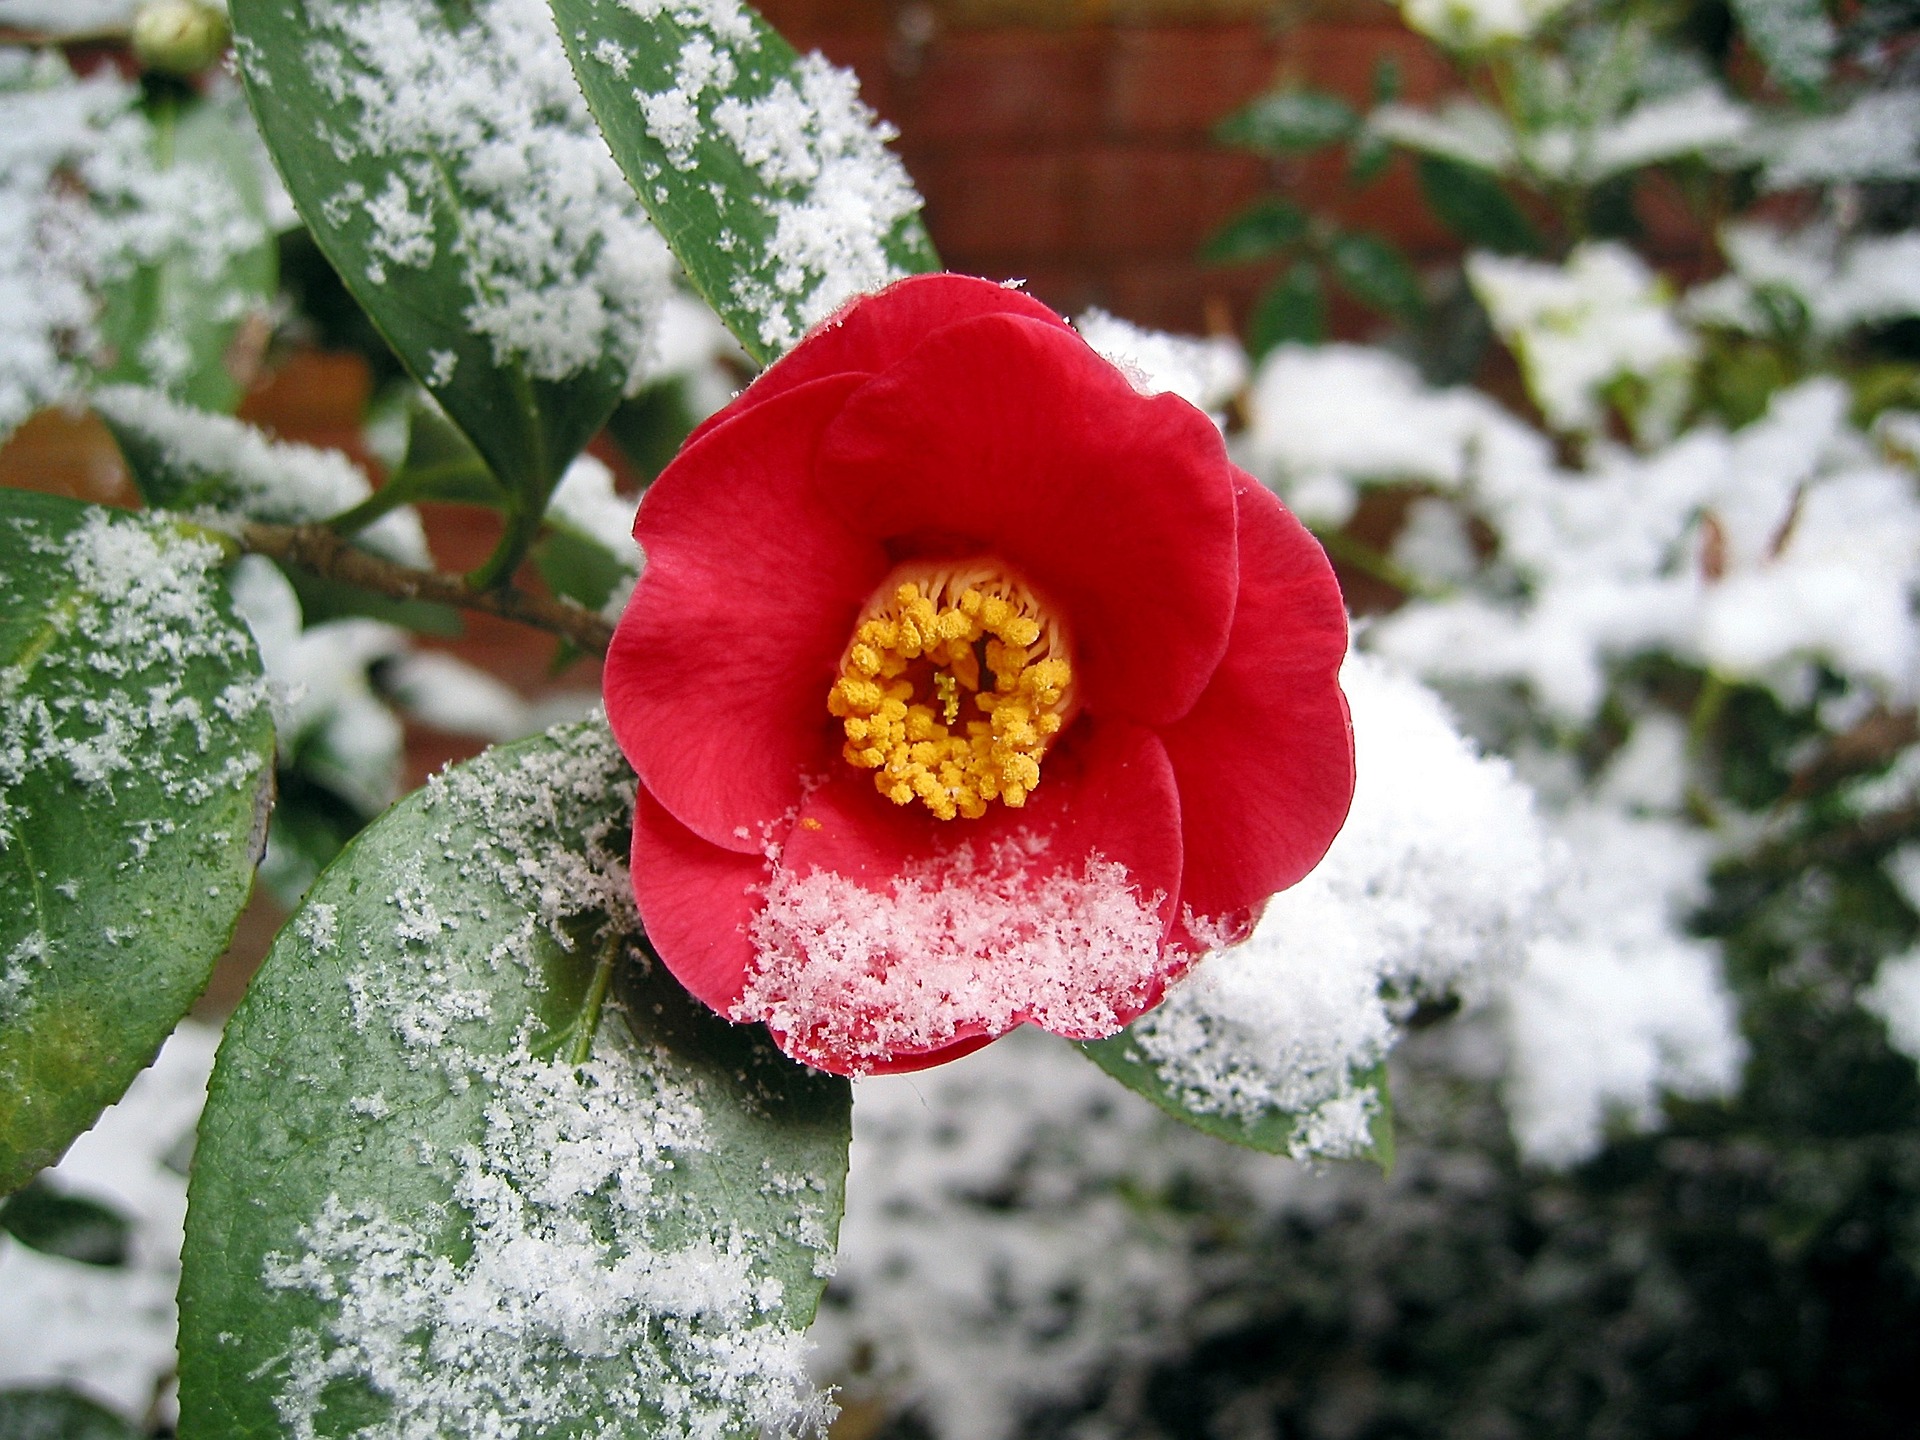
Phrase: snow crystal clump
(563,271)
(1838,283)
(838,194)
(108,1332)
(1434,887)
(1576,327)
(223,464)
(1475,24)
(957,945)
(1616,1005)
(829,192)
(1324,419)
(1895,997)
(1204,373)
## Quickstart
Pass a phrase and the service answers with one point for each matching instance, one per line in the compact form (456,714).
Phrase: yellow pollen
(936,635)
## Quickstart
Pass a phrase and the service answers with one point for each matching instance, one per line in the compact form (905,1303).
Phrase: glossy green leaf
(70,1226)
(1267,229)
(1292,311)
(58,1415)
(173,319)
(452,177)
(1288,122)
(1794,39)
(1375,273)
(442,1188)
(764,171)
(1278,1132)
(1472,204)
(136,770)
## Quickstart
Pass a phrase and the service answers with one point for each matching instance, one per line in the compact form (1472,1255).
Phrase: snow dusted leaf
(489,1213)
(183,458)
(58,1415)
(764,171)
(183,291)
(1268,1128)
(446,164)
(136,763)
(1793,37)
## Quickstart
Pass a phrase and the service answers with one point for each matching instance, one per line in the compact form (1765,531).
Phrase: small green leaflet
(136,770)
(58,1415)
(1795,39)
(1289,122)
(1475,207)
(1291,311)
(446,165)
(1278,1132)
(71,1226)
(172,319)
(764,171)
(435,1194)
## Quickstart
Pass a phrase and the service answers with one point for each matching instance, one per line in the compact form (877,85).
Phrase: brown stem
(323,551)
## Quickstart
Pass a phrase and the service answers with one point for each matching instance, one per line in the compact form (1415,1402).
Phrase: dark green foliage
(1292,311)
(1475,207)
(1287,122)
(71,1226)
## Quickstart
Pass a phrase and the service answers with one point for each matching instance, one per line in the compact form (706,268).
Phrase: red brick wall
(1081,159)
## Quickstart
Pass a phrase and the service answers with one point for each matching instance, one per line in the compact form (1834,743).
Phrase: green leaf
(576,565)
(1292,311)
(1794,39)
(764,171)
(1369,157)
(136,769)
(1376,274)
(1472,204)
(455,186)
(71,1226)
(58,1415)
(1266,230)
(1278,1132)
(651,427)
(1289,122)
(434,1194)
(173,319)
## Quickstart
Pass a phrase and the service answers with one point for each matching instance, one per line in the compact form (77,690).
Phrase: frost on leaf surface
(766,171)
(135,746)
(502,1210)
(469,143)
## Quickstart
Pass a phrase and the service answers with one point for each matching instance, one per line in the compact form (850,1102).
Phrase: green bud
(178,37)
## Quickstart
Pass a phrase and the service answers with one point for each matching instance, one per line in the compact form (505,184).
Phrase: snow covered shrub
(1595,964)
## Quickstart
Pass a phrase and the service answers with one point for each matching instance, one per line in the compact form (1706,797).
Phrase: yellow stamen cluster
(910,693)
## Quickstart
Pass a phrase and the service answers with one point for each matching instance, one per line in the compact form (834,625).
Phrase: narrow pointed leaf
(764,171)
(1276,1131)
(1473,205)
(443,160)
(136,768)
(442,1189)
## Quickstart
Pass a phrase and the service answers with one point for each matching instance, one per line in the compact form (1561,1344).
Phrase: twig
(322,550)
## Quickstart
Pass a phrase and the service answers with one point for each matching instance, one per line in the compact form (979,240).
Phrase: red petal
(1013,436)
(716,682)
(1265,760)
(871,332)
(1106,794)
(696,901)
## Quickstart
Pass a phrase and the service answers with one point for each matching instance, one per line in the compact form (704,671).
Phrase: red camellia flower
(968,687)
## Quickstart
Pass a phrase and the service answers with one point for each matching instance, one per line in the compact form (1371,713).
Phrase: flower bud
(178,37)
